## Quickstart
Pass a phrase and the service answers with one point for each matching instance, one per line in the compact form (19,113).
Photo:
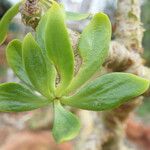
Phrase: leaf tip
(143,83)
(60,140)
(66,125)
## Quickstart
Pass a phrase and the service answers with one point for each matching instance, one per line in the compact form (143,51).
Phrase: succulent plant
(39,60)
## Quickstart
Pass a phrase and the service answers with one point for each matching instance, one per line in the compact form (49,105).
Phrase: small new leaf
(66,125)
(15,98)
(93,49)
(40,75)
(4,22)
(107,92)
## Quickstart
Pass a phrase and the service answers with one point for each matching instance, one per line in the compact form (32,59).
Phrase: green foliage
(4,22)
(58,46)
(40,74)
(16,97)
(144,110)
(91,49)
(107,91)
(145,13)
(14,59)
(35,62)
(77,16)
(66,124)
(40,35)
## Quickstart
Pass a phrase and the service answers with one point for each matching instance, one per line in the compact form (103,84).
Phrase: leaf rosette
(39,61)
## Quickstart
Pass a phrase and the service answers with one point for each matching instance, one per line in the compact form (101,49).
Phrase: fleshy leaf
(93,49)
(39,73)
(14,58)
(76,16)
(15,98)
(58,46)
(66,125)
(108,91)
(40,32)
(4,22)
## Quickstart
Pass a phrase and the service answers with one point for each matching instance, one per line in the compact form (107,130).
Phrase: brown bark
(129,30)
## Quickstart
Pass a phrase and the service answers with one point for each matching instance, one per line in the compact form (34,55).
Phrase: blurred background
(31,130)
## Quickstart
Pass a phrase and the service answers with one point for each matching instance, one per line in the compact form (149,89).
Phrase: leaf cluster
(38,61)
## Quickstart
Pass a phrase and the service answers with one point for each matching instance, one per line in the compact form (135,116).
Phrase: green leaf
(108,91)
(40,74)
(14,58)
(74,16)
(66,125)
(15,98)
(40,38)
(93,49)
(58,46)
(4,22)
(40,32)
